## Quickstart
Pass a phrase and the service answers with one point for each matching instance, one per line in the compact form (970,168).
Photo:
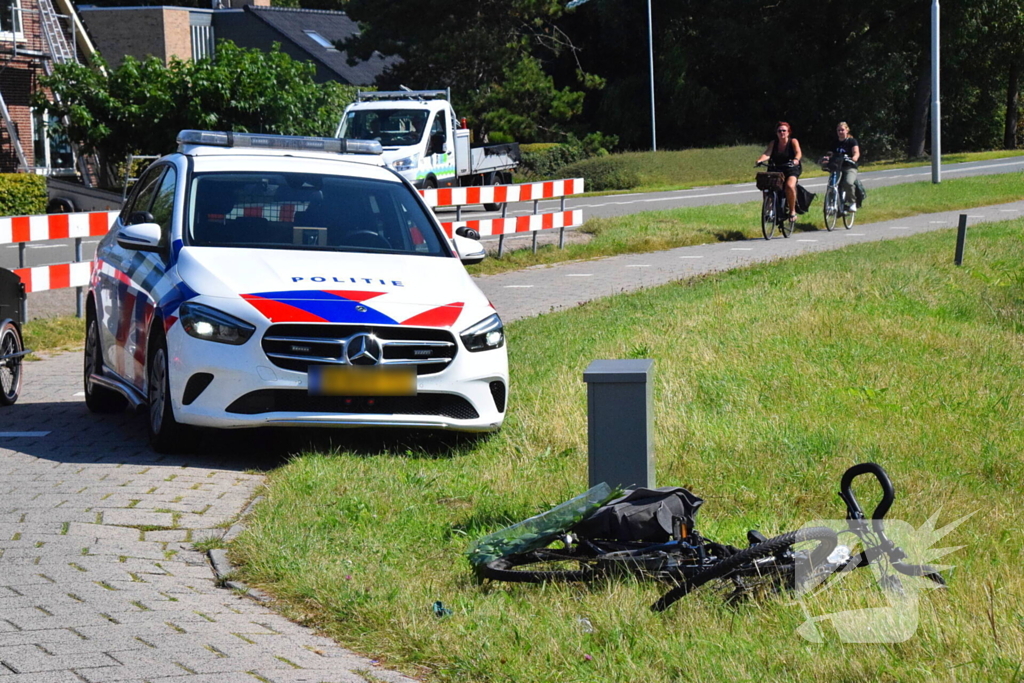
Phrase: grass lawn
(769,382)
(684,169)
(51,335)
(657,230)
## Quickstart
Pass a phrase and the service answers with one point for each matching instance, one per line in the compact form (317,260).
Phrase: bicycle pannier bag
(859,192)
(804,197)
(642,514)
(770,181)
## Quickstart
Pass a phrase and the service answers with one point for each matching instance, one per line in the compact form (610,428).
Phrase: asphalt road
(45,304)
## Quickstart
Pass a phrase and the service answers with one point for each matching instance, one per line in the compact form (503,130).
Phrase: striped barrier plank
(500,194)
(506,226)
(55,226)
(42,278)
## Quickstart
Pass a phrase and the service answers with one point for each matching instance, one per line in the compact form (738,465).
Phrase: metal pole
(650,43)
(78,290)
(936,114)
(21,264)
(561,232)
(961,237)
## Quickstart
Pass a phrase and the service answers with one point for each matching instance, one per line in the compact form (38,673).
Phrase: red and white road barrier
(42,278)
(55,226)
(501,194)
(508,226)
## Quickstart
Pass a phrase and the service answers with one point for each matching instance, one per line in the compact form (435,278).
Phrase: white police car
(261,280)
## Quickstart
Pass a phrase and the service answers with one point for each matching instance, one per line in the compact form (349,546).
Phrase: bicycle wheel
(768,215)
(10,369)
(831,207)
(746,563)
(787,226)
(848,218)
(541,566)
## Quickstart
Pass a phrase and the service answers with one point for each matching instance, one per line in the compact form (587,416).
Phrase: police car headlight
(489,333)
(404,164)
(203,322)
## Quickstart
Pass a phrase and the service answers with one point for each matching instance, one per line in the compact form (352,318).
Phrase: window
(53,152)
(163,204)
(320,40)
(310,212)
(142,194)
(393,127)
(202,42)
(10,20)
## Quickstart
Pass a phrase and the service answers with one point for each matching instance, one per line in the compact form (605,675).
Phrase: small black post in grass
(961,236)
(620,422)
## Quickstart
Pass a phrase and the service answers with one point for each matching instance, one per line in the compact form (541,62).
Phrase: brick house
(164,32)
(33,35)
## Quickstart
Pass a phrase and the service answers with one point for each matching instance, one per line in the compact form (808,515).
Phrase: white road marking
(506,287)
(807,240)
(899,227)
(1009,210)
(854,234)
(691,257)
(969,216)
(937,222)
(636,265)
(80,393)
(10,434)
(579,275)
(742,249)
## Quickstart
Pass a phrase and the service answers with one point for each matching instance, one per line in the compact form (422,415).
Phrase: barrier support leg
(78,290)
(561,232)
(501,245)
(21,264)
(534,241)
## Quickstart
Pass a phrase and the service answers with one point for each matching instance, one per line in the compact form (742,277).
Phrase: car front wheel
(166,434)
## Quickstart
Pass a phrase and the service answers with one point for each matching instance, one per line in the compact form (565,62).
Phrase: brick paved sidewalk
(98,578)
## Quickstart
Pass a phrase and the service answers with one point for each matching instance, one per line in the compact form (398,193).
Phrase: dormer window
(320,40)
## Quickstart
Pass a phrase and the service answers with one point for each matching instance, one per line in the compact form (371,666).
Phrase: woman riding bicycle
(783,155)
(847,145)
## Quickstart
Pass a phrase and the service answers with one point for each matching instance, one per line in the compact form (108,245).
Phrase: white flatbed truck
(425,142)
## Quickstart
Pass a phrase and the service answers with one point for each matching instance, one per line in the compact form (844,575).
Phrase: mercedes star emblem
(363,349)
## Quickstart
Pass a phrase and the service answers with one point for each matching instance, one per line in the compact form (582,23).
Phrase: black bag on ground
(804,197)
(642,514)
(859,192)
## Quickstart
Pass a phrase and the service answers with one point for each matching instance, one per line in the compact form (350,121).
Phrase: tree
(497,57)
(140,106)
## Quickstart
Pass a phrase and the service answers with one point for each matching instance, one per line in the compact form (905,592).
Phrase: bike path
(540,289)
(99,579)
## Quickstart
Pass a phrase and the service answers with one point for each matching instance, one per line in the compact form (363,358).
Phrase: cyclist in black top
(783,155)
(848,145)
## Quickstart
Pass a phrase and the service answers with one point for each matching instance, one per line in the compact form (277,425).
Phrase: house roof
(303,27)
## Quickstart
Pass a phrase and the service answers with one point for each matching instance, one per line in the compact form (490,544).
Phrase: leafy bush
(546,160)
(22,194)
(612,172)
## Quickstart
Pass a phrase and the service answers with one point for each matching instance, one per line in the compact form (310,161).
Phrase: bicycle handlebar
(853,508)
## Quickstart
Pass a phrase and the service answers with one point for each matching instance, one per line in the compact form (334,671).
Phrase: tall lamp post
(650,50)
(650,53)
(936,114)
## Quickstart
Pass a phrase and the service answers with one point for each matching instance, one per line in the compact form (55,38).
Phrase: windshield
(309,211)
(393,127)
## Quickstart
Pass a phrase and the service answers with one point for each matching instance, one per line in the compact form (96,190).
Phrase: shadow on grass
(429,444)
(730,236)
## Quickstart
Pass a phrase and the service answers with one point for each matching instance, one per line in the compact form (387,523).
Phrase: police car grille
(297,346)
(298,400)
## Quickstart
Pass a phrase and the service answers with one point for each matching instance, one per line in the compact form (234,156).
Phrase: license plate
(325,380)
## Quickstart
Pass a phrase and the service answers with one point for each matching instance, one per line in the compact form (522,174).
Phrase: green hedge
(22,194)
(547,159)
(612,172)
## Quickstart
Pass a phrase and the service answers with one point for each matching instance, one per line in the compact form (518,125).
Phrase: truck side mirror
(437,141)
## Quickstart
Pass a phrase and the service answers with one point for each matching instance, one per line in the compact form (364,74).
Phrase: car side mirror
(470,251)
(465,231)
(437,143)
(140,217)
(141,237)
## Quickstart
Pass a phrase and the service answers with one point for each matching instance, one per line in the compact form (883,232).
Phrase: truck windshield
(393,127)
(309,211)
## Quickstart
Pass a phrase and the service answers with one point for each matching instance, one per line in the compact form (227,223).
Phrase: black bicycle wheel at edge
(831,207)
(768,216)
(848,218)
(787,227)
(744,559)
(541,566)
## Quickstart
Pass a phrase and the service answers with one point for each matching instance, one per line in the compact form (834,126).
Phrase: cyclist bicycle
(846,144)
(783,155)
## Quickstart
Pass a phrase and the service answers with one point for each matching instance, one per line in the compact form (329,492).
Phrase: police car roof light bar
(297,142)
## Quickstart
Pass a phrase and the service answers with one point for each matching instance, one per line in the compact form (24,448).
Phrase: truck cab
(423,141)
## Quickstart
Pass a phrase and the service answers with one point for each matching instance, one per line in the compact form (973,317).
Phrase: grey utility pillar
(620,422)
